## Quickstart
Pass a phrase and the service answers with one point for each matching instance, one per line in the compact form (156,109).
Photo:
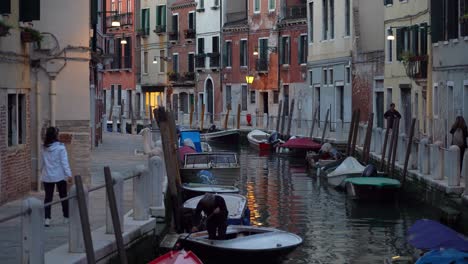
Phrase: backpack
(458,138)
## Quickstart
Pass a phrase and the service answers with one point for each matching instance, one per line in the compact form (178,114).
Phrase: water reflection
(335,229)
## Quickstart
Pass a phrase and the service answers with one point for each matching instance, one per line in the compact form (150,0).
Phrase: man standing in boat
(391,115)
(215,208)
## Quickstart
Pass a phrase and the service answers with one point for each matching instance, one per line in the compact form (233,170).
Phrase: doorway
(406,108)
(265,102)
(175,105)
(379,108)
(209,98)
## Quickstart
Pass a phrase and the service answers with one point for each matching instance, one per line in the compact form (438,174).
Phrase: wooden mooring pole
(367,141)
(192,109)
(395,146)
(291,114)
(278,121)
(84,218)
(227,116)
(238,115)
(393,138)
(384,150)
(408,150)
(325,126)
(355,131)
(350,134)
(313,122)
(283,117)
(202,117)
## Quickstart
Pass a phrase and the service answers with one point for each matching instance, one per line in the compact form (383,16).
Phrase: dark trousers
(49,195)
(216,225)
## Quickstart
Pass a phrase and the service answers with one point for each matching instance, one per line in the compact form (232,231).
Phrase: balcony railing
(189,33)
(200,60)
(181,77)
(124,19)
(416,67)
(123,62)
(160,29)
(294,12)
(214,59)
(174,36)
(261,65)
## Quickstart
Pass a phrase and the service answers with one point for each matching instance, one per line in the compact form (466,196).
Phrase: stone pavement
(117,152)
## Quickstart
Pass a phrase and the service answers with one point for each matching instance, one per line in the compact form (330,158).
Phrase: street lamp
(272,49)
(114,22)
(155,61)
(123,40)
(249,79)
(390,35)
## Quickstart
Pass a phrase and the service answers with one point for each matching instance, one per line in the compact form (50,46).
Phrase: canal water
(282,194)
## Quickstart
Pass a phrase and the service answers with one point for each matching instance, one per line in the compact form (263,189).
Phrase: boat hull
(371,193)
(338,180)
(191,190)
(224,136)
(222,176)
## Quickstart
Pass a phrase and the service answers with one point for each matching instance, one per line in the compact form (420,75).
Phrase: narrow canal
(282,194)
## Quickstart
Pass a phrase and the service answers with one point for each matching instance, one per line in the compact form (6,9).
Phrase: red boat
(177,257)
(261,140)
(298,146)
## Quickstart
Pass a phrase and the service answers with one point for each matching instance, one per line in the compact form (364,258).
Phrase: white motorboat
(350,167)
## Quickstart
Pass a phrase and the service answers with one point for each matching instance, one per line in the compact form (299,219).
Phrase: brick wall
(15,162)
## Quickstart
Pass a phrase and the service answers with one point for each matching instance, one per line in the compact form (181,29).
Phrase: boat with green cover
(372,188)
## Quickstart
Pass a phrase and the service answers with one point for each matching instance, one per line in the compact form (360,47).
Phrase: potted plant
(30,35)
(4,29)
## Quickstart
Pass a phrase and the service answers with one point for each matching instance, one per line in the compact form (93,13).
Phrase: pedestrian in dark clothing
(391,115)
(214,207)
(459,133)
(55,171)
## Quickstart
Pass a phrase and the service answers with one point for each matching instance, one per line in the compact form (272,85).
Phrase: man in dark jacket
(391,115)
(215,208)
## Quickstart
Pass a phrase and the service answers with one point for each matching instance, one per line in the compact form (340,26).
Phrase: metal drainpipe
(429,81)
(38,131)
(52,96)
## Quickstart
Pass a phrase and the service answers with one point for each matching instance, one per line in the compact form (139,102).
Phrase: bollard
(118,190)
(402,142)
(423,156)
(32,228)
(141,194)
(75,231)
(437,158)
(465,172)
(453,170)
(157,181)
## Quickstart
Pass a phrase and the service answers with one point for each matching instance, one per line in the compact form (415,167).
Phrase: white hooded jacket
(55,166)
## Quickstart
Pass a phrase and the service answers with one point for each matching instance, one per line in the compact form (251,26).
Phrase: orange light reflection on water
(253,206)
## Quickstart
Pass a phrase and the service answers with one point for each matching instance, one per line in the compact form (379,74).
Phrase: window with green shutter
(271,4)
(436,20)
(388,2)
(227,56)
(29,10)
(400,42)
(5,7)
(423,37)
(161,17)
(256,6)
(145,21)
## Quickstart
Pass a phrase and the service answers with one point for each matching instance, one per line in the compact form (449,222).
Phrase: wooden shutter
(436,20)
(225,51)
(29,10)
(423,35)
(5,7)
(415,40)
(400,41)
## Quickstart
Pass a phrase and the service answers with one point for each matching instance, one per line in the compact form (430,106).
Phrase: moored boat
(196,189)
(261,140)
(372,188)
(239,213)
(230,136)
(298,146)
(350,167)
(243,244)
(177,257)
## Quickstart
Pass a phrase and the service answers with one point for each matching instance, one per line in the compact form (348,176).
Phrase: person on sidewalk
(391,115)
(215,208)
(459,133)
(55,171)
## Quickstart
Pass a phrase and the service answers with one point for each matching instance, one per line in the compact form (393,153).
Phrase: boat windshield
(210,158)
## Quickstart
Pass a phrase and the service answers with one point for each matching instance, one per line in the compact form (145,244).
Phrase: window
(161,18)
(256,6)
(228,54)
(201,4)
(423,32)
(302,49)
(175,62)
(137,105)
(311,21)
(347,17)
(324,77)
(348,74)
(145,21)
(324,19)
(129,6)
(331,76)
(120,7)
(275,97)
(244,97)
(29,10)
(215,44)
(263,51)
(388,2)
(271,5)
(464,21)
(216,3)
(311,78)
(145,62)
(436,100)
(445,19)
(127,54)
(112,96)
(162,65)
(191,20)
(113,5)
(389,47)
(119,94)
(339,102)
(390,97)
(401,38)
(16,119)
(5,7)
(228,96)
(201,46)
(286,99)
(243,52)
(191,62)
(175,23)
(332,19)
(252,97)
(285,51)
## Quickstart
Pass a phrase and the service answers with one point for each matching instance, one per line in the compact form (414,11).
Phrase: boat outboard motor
(274,137)
(370,171)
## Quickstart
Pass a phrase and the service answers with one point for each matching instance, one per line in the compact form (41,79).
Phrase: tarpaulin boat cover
(349,166)
(445,256)
(185,150)
(427,234)
(302,143)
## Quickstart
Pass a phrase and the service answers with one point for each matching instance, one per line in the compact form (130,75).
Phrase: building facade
(450,71)
(406,61)
(181,71)
(119,76)
(208,59)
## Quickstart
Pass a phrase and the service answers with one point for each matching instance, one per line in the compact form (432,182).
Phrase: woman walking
(459,133)
(55,171)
